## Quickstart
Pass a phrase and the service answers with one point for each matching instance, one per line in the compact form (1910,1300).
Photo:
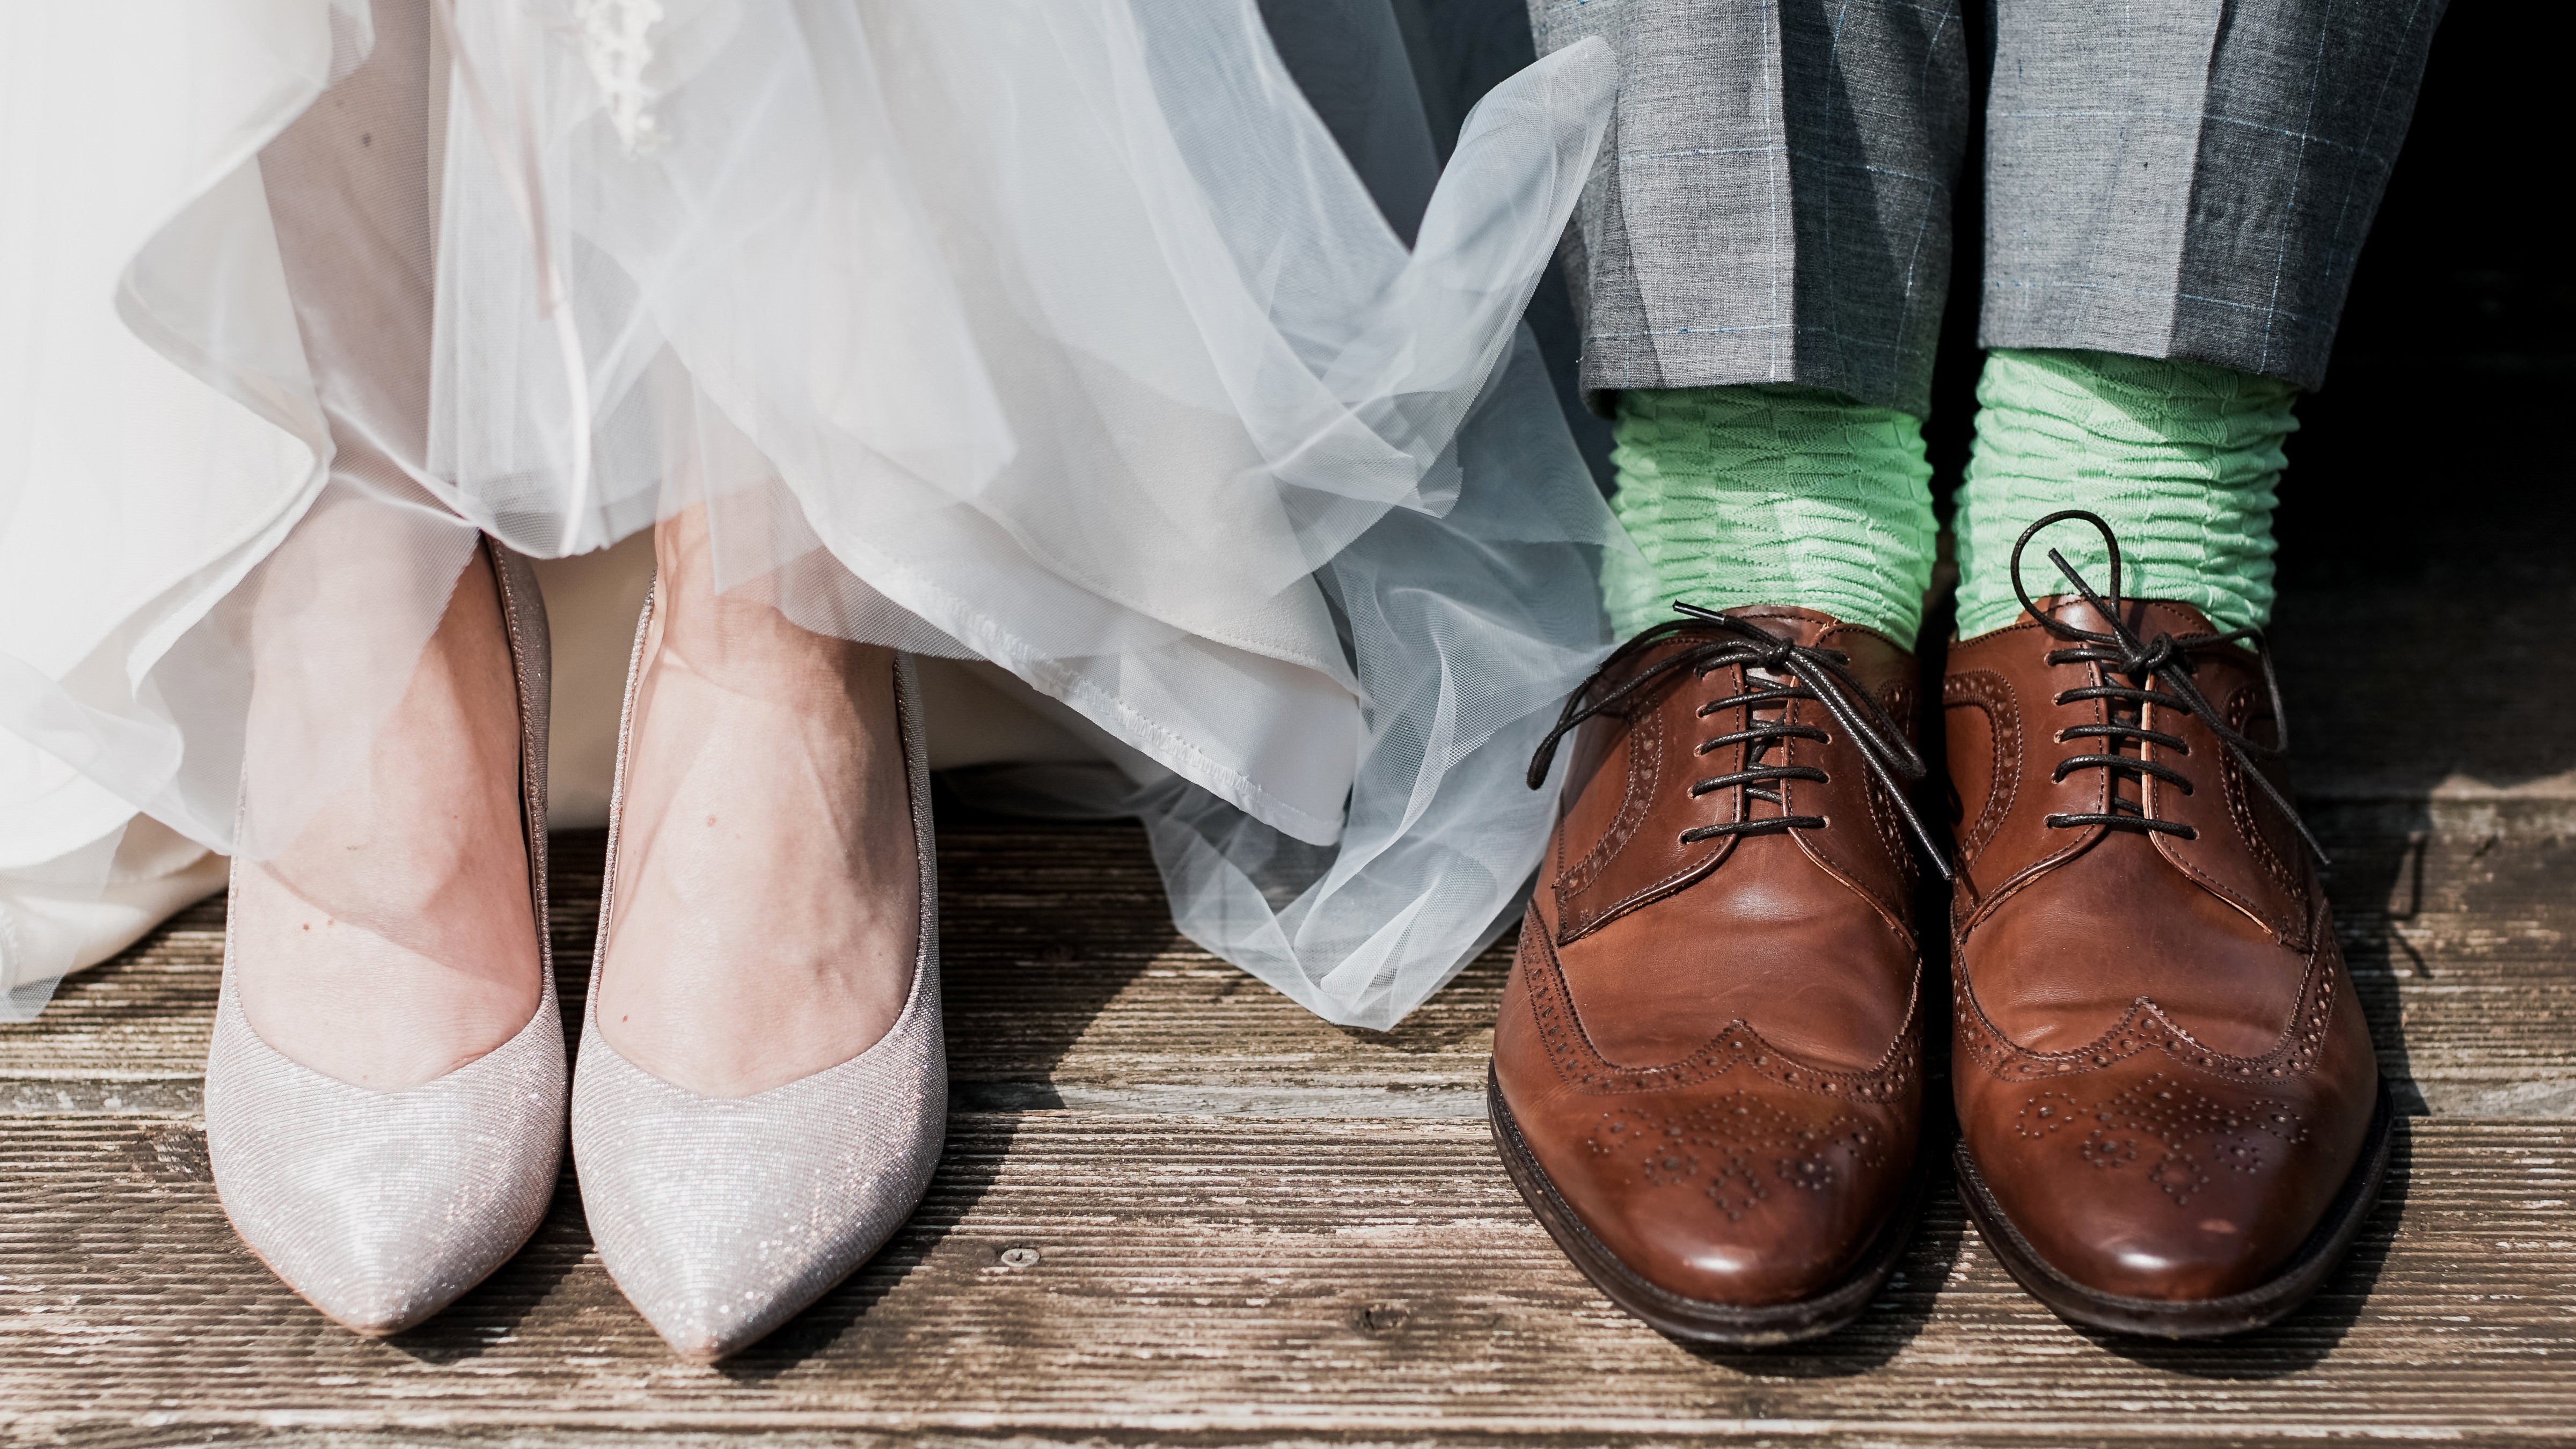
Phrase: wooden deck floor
(1252,1227)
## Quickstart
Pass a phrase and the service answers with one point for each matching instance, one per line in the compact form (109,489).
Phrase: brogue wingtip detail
(1714,1182)
(2178,1171)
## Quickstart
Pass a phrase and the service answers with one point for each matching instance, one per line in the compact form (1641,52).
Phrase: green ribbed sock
(2181,459)
(1771,494)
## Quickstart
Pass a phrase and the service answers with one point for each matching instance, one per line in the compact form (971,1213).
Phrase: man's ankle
(2182,459)
(1771,494)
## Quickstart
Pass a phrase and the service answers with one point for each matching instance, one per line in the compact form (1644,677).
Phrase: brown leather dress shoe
(1707,1076)
(2170,1116)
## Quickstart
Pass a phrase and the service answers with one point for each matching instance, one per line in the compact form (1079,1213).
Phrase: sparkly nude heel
(723,1217)
(381,1208)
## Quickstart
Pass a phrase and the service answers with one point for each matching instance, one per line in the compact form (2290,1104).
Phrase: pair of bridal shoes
(719,1217)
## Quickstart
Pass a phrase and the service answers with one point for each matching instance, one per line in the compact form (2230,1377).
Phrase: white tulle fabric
(183,465)
(1067,334)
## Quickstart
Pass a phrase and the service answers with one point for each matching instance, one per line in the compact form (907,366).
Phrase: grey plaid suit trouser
(2164,178)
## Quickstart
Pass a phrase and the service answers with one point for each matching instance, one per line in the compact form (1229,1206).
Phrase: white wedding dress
(1067,335)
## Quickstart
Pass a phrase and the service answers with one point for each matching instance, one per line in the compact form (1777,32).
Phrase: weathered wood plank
(1068,987)
(2459,919)
(1236,1278)
(287,1432)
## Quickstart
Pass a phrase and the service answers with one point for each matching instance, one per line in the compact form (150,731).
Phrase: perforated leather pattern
(2145,1027)
(1737,1148)
(2177,1134)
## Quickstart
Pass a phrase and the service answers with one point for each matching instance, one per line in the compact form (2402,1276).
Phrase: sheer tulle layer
(169,436)
(1060,334)
(1063,328)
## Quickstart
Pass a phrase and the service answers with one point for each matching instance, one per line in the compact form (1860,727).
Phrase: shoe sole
(2254,1308)
(1697,1320)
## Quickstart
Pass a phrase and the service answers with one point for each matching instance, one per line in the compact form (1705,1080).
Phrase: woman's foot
(767,898)
(394,939)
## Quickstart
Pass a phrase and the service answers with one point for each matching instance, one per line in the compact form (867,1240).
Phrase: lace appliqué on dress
(616,40)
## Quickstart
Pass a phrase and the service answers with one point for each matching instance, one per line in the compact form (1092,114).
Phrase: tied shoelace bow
(1821,675)
(2163,660)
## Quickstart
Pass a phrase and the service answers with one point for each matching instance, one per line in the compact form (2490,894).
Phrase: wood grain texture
(1068,987)
(1245,1279)
(1252,1227)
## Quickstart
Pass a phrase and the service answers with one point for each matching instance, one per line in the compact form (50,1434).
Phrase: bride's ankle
(766,882)
(738,640)
(394,937)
